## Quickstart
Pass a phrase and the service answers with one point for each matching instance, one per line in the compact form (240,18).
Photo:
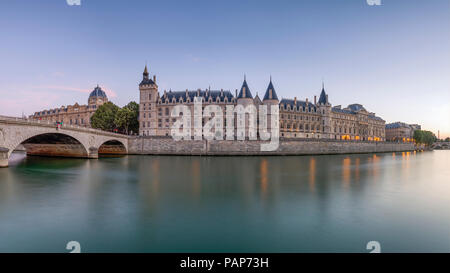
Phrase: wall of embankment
(168,146)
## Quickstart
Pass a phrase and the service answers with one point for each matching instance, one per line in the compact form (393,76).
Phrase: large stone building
(401,132)
(298,119)
(74,114)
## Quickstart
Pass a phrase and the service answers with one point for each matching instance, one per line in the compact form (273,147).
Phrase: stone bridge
(45,138)
(441,146)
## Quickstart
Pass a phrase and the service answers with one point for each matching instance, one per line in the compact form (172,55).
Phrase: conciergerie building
(298,118)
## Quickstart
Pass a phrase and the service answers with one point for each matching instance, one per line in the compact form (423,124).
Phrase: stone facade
(74,114)
(401,132)
(297,118)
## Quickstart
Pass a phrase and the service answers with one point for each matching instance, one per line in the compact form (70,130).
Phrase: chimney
(306,101)
(235,92)
(326,97)
(154,78)
(295,100)
(315,99)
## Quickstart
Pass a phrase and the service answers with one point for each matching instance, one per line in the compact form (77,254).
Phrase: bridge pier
(4,157)
(93,153)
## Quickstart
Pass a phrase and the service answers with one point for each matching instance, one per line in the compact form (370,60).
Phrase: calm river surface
(333,203)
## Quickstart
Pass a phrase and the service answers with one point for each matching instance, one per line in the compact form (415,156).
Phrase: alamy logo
(374,246)
(208,123)
(374,2)
(73,2)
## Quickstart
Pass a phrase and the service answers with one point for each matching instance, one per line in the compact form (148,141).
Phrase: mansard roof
(206,94)
(397,125)
(353,109)
(247,93)
(270,95)
(356,107)
(285,102)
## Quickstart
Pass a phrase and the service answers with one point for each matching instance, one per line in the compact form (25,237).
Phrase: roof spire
(145,74)
(323,99)
(245,91)
(270,92)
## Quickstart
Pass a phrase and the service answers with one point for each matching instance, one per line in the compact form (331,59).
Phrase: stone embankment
(168,146)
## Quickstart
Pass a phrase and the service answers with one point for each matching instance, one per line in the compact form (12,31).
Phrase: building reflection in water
(196,177)
(375,166)
(155,176)
(263,174)
(405,164)
(357,160)
(346,169)
(312,174)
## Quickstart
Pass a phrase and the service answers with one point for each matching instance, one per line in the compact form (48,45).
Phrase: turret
(325,112)
(271,96)
(245,96)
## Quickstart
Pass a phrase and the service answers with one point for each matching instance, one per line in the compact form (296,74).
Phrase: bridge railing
(64,126)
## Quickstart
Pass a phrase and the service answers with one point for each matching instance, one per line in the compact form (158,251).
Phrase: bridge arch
(55,144)
(112,147)
(65,137)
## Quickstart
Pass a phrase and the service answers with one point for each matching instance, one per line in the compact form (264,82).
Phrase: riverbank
(168,146)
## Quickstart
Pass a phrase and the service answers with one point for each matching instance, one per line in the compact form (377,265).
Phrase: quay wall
(168,146)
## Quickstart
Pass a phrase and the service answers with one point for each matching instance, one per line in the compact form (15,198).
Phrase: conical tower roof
(270,92)
(245,91)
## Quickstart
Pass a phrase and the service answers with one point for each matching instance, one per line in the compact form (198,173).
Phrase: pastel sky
(394,58)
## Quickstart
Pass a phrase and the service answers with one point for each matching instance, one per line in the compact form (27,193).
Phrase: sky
(393,58)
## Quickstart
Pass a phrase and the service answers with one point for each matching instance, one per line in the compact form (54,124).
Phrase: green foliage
(447,139)
(110,117)
(104,117)
(133,125)
(424,137)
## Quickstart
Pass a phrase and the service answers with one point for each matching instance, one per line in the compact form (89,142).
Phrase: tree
(105,116)
(424,137)
(134,123)
(127,118)
(418,136)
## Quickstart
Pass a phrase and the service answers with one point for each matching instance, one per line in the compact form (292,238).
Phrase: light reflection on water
(227,204)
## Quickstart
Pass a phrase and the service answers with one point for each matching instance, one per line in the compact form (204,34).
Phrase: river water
(330,203)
